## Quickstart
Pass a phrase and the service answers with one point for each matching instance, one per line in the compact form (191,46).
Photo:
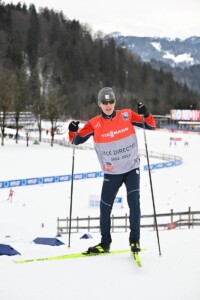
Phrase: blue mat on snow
(48,241)
(7,250)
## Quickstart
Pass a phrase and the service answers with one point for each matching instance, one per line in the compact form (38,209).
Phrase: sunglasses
(105,102)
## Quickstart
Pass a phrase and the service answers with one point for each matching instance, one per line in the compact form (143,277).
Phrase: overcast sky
(162,18)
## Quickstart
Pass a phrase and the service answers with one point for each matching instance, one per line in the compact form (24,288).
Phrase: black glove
(73,126)
(142,110)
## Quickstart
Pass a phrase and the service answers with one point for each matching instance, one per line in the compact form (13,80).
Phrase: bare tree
(18,102)
(53,112)
(39,114)
(27,131)
(7,90)
(37,99)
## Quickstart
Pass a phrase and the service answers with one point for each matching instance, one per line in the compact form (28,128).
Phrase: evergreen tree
(51,48)
(32,38)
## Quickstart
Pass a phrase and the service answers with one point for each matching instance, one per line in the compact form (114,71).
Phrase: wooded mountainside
(55,67)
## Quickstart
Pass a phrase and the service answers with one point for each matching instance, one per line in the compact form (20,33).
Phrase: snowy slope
(173,275)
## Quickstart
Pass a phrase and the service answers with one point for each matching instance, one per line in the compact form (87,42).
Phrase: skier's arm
(80,135)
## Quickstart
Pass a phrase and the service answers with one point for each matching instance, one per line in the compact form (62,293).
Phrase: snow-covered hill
(175,52)
(180,57)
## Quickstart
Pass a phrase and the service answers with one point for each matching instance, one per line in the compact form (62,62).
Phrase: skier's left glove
(73,126)
(142,109)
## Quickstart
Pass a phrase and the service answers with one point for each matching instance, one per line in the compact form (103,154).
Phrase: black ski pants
(111,185)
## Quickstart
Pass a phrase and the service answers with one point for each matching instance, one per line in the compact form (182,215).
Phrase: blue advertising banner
(80,176)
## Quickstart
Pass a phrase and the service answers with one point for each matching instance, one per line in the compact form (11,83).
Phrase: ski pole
(151,185)
(71,196)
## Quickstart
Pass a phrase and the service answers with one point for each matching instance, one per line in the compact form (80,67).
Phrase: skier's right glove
(73,126)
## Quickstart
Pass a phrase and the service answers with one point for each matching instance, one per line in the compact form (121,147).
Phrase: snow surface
(33,213)
(185,57)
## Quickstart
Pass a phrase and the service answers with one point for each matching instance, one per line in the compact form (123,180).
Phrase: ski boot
(98,249)
(135,247)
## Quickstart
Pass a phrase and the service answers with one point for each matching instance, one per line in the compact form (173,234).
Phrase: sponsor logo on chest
(112,133)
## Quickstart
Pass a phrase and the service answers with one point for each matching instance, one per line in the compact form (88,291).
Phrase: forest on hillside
(54,67)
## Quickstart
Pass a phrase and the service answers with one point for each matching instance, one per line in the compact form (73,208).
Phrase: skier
(116,146)
(10,196)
